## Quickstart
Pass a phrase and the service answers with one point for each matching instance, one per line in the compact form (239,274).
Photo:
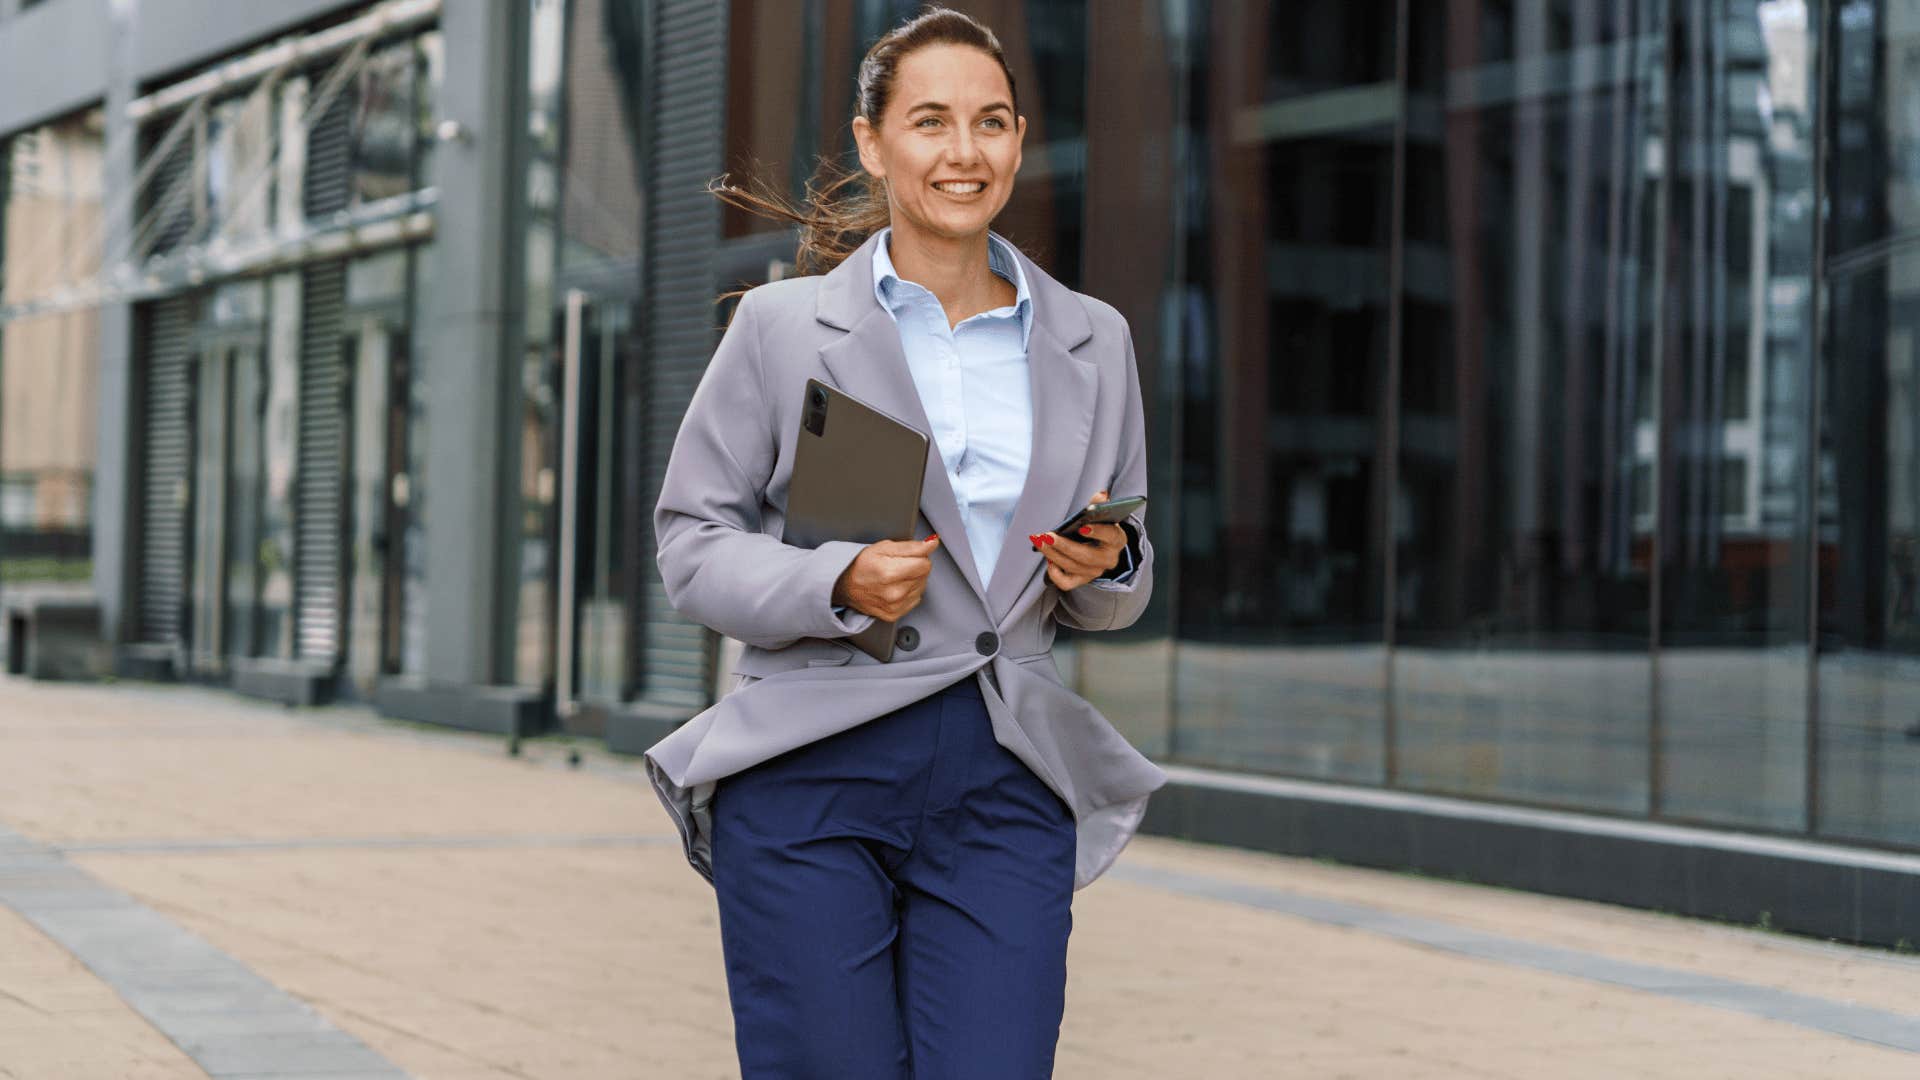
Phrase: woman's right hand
(887,578)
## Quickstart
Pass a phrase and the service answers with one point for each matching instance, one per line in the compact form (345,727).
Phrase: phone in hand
(1105,513)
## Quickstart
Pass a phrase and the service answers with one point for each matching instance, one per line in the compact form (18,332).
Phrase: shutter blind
(683,236)
(166,455)
(329,182)
(319,507)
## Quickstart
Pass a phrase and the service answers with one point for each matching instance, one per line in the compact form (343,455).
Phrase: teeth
(962,189)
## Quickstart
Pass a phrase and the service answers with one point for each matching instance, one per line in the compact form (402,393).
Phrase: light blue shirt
(974,387)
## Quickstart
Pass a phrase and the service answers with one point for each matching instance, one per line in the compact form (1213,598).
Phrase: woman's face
(949,144)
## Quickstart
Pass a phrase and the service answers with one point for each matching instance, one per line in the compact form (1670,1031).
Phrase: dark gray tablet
(856,476)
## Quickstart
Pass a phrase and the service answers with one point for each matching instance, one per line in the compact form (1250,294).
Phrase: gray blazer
(718,525)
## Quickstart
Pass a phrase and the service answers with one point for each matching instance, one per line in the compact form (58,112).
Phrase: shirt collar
(1000,259)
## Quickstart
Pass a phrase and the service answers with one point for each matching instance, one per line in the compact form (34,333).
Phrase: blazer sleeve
(1114,603)
(719,569)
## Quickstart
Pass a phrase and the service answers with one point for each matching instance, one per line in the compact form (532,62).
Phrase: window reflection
(239,168)
(1869,535)
(410,487)
(279,427)
(1280,602)
(51,204)
(1733,418)
(384,124)
(1522,669)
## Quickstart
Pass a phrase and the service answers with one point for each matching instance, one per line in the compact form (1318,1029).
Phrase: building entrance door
(223,489)
(379,494)
(596,665)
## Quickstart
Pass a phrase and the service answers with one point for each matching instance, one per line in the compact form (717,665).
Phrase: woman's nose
(962,149)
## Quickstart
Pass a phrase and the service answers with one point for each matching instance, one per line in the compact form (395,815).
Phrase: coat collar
(870,364)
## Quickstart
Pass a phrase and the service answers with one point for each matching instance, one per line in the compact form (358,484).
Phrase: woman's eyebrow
(938,106)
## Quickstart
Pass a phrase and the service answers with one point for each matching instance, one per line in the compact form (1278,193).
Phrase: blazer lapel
(1064,387)
(870,364)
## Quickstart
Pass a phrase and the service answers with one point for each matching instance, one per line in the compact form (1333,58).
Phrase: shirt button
(986,643)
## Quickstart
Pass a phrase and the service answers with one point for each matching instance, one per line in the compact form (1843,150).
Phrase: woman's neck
(955,271)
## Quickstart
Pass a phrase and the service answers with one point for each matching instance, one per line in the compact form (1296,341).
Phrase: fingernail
(1086,530)
(1047,540)
(933,536)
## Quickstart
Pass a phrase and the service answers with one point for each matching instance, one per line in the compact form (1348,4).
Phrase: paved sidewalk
(192,884)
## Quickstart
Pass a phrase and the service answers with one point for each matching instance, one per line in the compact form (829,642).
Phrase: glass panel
(774,117)
(279,434)
(1522,591)
(599,225)
(430,68)
(410,488)
(374,352)
(538,462)
(206,600)
(246,486)
(1733,406)
(1868,771)
(1281,660)
(228,489)
(384,125)
(1869,754)
(1138,224)
(239,169)
(50,239)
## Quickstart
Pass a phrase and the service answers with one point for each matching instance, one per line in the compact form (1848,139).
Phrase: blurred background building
(1533,386)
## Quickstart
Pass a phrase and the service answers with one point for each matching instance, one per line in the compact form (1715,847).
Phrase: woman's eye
(928,120)
(996,121)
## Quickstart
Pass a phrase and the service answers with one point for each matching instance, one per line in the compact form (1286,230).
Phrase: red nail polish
(933,536)
(1086,530)
(1047,540)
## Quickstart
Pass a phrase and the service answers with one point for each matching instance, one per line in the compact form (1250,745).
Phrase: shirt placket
(951,403)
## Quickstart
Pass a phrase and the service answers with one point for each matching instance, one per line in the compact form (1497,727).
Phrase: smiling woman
(895,844)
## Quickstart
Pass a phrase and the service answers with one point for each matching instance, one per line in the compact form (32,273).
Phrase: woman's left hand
(1070,563)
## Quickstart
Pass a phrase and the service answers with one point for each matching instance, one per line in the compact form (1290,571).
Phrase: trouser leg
(986,912)
(808,911)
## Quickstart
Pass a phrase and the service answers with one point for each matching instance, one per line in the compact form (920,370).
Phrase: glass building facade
(1528,396)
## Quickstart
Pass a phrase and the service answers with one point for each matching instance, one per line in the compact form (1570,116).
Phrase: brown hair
(844,206)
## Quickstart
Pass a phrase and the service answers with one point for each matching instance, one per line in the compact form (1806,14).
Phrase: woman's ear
(866,139)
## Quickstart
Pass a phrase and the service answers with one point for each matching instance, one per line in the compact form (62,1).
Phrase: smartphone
(1105,513)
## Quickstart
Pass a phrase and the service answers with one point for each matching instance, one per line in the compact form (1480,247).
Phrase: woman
(895,845)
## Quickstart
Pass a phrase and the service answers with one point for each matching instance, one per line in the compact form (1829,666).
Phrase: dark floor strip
(1898,1031)
(231,1022)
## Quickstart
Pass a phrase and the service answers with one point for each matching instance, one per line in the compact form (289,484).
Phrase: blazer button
(986,643)
(906,639)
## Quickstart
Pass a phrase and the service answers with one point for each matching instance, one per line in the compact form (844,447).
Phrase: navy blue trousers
(895,902)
